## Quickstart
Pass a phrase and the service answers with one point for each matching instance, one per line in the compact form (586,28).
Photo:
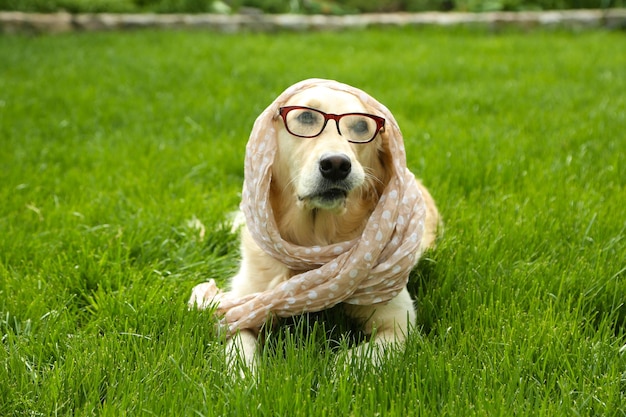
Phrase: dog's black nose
(335,167)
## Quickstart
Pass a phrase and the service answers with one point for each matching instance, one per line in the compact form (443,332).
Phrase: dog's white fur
(307,219)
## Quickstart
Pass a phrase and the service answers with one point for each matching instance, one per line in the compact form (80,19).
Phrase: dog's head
(330,146)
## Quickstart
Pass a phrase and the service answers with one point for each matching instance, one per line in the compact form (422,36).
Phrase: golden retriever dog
(327,176)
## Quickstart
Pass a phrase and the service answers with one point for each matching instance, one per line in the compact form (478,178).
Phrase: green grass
(112,144)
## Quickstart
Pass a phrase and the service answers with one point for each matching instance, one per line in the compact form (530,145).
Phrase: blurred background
(298,6)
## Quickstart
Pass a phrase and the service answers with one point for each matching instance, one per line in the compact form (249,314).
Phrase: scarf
(370,269)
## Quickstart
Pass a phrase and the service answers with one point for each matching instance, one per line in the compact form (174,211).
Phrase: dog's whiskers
(291,182)
(371,181)
(370,176)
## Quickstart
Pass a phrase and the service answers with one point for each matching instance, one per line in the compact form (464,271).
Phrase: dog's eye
(360,127)
(307,118)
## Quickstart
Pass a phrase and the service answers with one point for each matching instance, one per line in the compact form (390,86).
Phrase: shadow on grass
(332,329)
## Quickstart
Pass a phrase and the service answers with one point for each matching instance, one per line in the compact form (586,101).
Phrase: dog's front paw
(204,295)
(364,355)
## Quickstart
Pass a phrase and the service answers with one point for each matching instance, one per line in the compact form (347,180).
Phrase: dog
(330,169)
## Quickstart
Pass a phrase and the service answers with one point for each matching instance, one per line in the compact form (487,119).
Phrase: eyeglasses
(306,122)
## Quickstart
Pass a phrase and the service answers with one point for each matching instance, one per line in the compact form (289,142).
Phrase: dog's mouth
(329,199)
(333,194)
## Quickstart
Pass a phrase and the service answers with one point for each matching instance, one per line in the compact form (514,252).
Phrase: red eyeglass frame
(380,121)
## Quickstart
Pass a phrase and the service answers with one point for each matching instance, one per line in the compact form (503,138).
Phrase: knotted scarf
(370,269)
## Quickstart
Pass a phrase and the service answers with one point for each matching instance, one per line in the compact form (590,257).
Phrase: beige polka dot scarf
(371,269)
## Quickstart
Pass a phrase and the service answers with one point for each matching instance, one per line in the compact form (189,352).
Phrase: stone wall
(17,22)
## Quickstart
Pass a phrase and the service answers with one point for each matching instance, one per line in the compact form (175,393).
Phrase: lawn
(122,153)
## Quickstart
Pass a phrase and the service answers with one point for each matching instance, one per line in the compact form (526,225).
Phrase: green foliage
(268,6)
(122,156)
(75,6)
(300,6)
(522,5)
(110,6)
(175,6)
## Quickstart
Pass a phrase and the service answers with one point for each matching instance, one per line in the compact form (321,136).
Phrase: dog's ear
(384,151)
(385,159)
